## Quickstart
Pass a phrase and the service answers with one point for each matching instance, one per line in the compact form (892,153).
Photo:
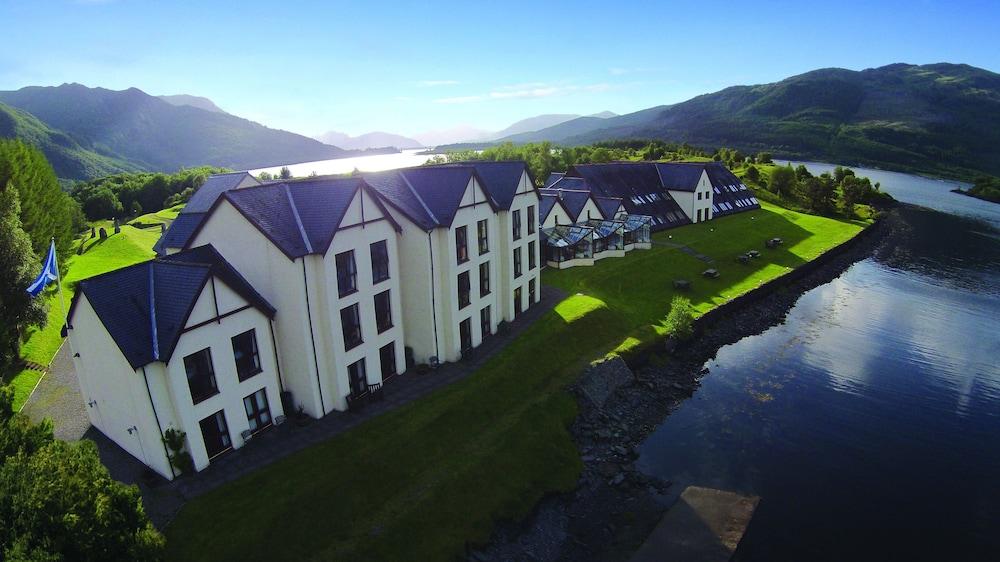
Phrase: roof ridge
(298,219)
(419,198)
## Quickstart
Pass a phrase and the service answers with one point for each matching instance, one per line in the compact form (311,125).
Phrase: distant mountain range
(376,139)
(936,118)
(89,132)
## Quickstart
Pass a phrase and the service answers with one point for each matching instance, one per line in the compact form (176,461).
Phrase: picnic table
(743,258)
(774,242)
(753,254)
(682,284)
(710,273)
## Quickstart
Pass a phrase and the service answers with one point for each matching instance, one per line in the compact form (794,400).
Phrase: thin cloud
(531,92)
(436,83)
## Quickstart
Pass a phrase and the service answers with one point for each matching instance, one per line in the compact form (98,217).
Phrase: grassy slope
(131,246)
(420,482)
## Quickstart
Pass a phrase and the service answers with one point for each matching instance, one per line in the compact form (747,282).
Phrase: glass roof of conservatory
(565,235)
(635,222)
(603,229)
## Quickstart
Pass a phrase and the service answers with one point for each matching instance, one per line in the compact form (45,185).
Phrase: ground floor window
(387,356)
(485,322)
(215,433)
(358,378)
(699,216)
(258,412)
(517,302)
(531,292)
(465,334)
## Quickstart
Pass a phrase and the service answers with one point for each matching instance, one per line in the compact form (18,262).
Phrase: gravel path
(58,398)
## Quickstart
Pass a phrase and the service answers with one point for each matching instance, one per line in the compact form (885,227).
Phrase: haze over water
(868,422)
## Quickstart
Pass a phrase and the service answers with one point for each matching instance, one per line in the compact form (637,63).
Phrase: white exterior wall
(558,215)
(171,384)
(363,225)
(689,203)
(590,211)
(526,197)
(279,280)
(114,393)
(474,208)
(119,393)
(419,306)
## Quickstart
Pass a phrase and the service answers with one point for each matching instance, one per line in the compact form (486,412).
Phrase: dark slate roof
(214,186)
(499,179)
(730,195)
(608,205)
(553,178)
(545,205)
(428,195)
(573,200)
(144,307)
(638,185)
(679,176)
(300,217)
(180,230)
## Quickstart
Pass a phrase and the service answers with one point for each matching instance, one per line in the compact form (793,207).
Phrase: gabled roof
(214,186)
(638,185)
(300,217)
(680,176)
(428,195)
(499,179)
(608,205)
(553,178)
(730,195)
(144,307)
(573,200)
(181,229)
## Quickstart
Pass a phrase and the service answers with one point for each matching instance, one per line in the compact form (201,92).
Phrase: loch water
(869,421)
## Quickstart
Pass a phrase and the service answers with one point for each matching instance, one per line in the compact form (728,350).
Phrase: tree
(46,210)
(752,174)
(265,176)
(58,502)
(18,267)
(819,194)
(783,180)
(101,202)
(285,173)
(764,158)
(802,173)
(839,173)
(680,319)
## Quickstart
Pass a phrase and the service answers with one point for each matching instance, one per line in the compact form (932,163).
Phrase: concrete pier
(705,525)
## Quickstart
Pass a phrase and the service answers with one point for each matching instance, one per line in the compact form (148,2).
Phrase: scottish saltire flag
(50,273)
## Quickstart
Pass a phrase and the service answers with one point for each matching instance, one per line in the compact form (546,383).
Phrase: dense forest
(132,194)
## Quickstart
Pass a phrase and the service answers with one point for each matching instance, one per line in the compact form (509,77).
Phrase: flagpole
(62,301)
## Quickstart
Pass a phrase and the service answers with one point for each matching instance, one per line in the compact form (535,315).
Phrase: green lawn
(163,216)
(422,481)
(131,246)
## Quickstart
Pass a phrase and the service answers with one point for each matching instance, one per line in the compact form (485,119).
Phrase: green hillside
(938,118)
(147,133)
(68,158)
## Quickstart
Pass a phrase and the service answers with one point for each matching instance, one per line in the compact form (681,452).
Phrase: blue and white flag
(50,273)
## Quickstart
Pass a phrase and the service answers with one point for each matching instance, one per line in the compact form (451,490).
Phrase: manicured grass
(423,481)
(131,246)
(23,382)
(163,216)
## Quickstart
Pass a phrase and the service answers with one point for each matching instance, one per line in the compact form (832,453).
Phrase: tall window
(517,262)
(464,286)
(531,292)
(461,244)
(465,334)
(483,228)
(387,357)
(347,273)
(350,320)
(383,311)
(246,355)
(380,261)
(200,375)
(485,323)
(358,378)
(215,433)
(516,224)
(484,279)
(531,255)
(258,412)
(531,219)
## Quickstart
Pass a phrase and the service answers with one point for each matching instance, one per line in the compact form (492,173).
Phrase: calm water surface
(869,422)
(374,163)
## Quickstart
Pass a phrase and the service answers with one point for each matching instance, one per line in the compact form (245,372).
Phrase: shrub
(680,320)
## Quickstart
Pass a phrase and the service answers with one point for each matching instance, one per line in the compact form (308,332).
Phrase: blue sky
(418,66)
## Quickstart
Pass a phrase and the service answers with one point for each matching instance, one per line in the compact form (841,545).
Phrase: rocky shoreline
(614,506)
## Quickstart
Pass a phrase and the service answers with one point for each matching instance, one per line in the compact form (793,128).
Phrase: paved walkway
(686,249)
(58,397)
